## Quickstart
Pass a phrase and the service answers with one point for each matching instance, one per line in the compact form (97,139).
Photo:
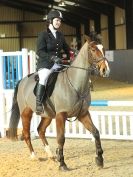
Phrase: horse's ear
(87,38)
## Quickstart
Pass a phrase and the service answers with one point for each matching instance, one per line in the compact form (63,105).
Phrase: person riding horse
(50,43)
(70,98)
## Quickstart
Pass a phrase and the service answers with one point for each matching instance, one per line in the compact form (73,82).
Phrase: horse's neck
(82,57)
(79,77)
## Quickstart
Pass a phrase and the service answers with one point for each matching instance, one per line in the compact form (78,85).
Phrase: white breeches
(44,73)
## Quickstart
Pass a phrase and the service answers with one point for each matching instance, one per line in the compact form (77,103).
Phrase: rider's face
(56,23)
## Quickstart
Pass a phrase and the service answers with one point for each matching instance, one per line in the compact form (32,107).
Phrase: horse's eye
(93,50)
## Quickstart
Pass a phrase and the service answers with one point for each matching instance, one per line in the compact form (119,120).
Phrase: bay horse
(70,98)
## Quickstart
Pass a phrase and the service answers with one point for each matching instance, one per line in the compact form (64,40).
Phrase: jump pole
(111,103)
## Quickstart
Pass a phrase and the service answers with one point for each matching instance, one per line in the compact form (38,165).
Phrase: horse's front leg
(87,122)
(45,122)
(60,128)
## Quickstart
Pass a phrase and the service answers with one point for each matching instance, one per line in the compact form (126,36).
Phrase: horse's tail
(15,116)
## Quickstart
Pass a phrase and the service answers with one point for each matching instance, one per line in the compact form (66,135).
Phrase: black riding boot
(40,94)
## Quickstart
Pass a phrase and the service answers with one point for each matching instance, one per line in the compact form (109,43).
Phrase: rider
(50,43)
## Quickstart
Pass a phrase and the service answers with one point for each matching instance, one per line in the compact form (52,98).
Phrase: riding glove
(56,59)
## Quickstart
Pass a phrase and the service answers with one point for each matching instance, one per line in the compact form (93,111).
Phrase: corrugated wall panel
(8,13)
(33,28)
(32,16)
(68,30)
(28,30)
(105,40)
(9,30)
(9,44)
(104,31)
(120,28)
(29,43)
(119,16)
(120,32)
(104,21)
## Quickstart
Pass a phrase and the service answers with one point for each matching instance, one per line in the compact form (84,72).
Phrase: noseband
(100,60)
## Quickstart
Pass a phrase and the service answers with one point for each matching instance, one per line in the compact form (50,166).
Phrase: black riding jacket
(49,46)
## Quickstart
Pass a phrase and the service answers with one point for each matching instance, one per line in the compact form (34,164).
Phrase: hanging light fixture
(62,4)
(57,1)
(70,3)
(65,2)
(59,8)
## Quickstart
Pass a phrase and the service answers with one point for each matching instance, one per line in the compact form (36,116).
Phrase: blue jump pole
(99,103)
(111,103)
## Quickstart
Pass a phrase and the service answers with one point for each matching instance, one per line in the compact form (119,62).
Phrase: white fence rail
(111,124)
(14,66)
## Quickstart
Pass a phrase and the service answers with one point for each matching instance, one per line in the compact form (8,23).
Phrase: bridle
(96,62)
(94,65)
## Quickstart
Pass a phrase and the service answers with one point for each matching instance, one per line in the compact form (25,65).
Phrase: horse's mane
(83,52)
(95,37)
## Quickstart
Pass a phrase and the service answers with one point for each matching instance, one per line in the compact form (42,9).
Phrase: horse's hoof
(63,168)
(99,162)
(20,137)
(33,156)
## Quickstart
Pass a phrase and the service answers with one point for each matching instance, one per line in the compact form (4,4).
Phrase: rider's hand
(56,59)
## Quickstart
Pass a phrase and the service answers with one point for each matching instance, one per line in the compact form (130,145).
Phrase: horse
(70,98)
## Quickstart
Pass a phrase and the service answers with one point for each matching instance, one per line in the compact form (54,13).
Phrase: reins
(86,69)
(76,67)
(80,96)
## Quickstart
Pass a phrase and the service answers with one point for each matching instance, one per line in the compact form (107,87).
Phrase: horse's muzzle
(106,73)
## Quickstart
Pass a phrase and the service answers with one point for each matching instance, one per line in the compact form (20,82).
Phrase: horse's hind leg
(45,122)
(87,122)
(60,128)
(26,120)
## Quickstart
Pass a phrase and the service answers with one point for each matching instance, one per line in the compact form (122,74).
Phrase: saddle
(50,82)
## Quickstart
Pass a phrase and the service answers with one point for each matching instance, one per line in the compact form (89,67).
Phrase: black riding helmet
(54,14)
